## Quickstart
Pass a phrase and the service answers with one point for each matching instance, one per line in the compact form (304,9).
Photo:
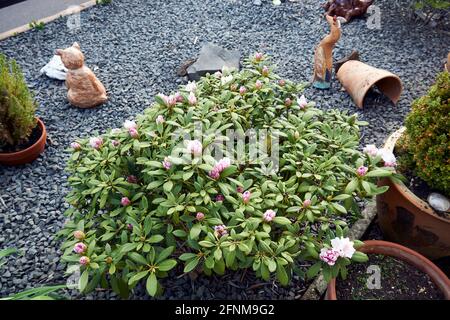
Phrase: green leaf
(191,265)
(138,276)
(360,257)
(136,257)
(164,254)
(314,270)
(167,265)
(195,231)
(351,186)
(156,238)
(84,280)
(282,274)
(379,173)
(168,186)
(152,285)
(338,207)
(282,220)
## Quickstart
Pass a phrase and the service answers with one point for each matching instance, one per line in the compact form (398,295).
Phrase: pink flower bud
(96,142)
(281,83)
(258,56)
(79,248)
(302,102)
(265,71)
(195,147)
(288,102)
(239,189)
(133,133)
(258,85)
(115,143)
(306,203)
(130,227)
(125,201)
(269,215)
(220,230)
(129,124)
(361,171)
(200,216)
(214,173)
(132,179)
(75,145)
(220,198)
(166,163)
(84,260)
(246,196)
(179,97)
(192,99)
(160,119)
(79,235)
(242,90)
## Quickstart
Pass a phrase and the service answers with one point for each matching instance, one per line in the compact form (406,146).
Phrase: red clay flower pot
(27,155)
(402,253)
(406,219)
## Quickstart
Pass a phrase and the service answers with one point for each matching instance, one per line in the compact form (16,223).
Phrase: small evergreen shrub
(426,142)
(17,107)
(166,189)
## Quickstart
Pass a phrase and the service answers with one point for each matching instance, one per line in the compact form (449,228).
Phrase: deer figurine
(347,8)
(323,56)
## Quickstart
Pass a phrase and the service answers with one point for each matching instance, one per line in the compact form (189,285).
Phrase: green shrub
(427,137)
(17,107)
(432,4)
(145,198)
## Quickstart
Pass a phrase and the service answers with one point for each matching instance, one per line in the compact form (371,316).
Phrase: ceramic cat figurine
(323,56)
(347,8)
(85,90)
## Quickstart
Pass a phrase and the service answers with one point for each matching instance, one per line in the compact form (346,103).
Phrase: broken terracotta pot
(357,78)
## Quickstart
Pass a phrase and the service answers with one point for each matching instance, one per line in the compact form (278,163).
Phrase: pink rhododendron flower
(223,164)
(302,102)
(200,216)
(258,84)
(129,124)
(306,203)
(269,215)
(96,142)
(75,146)
(220,198)
(84,260)
(133,133)
(239,189)
(192,99)
(371,150)
(220,230)
(195,147)
(388,157)
(242,90)
(191,86)
(125,201)
(361,171)
(343,246)
(329,256)
(258,56)
(160,119)
(281,82)
(246,196)
(79,235)
(79,247)
(166,163)
(265,71)
(288,102)
(214,173)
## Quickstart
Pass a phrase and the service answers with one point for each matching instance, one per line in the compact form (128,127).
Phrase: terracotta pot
(357,78)
(402,253)
(406,219)
(27,155)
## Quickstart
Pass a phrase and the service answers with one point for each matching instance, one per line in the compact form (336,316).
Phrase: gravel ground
(135,48)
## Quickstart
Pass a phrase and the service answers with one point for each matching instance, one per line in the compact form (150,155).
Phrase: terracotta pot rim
(41,140)
(414,258)
(415,200)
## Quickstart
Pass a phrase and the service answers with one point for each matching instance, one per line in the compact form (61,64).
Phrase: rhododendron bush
(164,193)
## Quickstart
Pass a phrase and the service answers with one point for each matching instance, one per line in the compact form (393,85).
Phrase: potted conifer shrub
(406,214)
(22,134)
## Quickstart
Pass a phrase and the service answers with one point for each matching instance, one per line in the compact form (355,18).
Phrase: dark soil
(398,281)
(36,133)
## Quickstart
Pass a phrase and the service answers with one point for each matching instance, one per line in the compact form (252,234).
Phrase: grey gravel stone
(213,58)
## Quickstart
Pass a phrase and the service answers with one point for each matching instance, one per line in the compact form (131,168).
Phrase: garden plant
(164,193)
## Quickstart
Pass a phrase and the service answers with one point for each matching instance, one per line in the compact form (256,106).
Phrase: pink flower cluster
(96,142)
(362,171)
(200,216)
(329,256)
(258,85)
(75,145)
(132,128)
(79,235)
(340,247)
(160,119)
(125,201)
(246,197)
(220,198)
(132,179)
(84,260)
(220,230)
(269,215)
(166,163)
(306,203)
(219,167)
(195,147)
(192,99)
(302,102)
(258,56)
(171,100)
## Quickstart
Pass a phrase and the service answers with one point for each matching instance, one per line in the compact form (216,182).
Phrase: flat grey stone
(213,58)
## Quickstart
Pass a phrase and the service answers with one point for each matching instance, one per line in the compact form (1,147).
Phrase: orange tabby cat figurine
(85,90)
